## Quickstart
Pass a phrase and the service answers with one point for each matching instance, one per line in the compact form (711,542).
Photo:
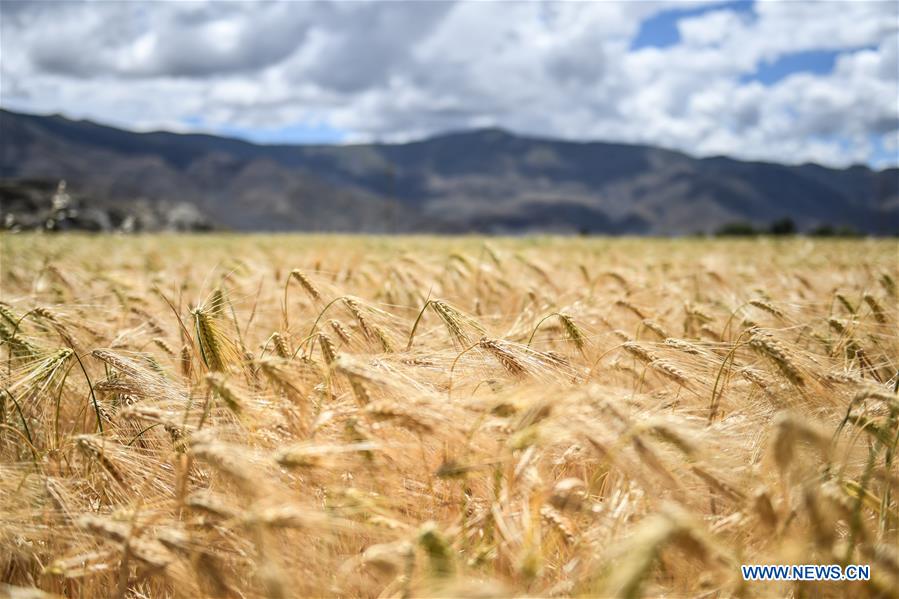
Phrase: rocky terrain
(36,204)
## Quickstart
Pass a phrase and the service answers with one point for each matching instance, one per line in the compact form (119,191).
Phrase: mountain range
(486,180)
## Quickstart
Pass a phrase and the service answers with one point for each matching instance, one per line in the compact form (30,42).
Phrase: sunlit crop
(290,416)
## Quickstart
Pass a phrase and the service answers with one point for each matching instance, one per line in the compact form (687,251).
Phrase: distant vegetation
(783,227)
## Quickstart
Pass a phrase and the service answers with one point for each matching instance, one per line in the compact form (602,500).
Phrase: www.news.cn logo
(806,572)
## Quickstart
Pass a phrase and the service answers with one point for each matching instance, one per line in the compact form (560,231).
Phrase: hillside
(485,180)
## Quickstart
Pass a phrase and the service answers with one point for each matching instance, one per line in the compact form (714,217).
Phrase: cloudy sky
(789,81)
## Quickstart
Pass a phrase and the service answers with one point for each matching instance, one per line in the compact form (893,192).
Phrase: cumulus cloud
(397,71)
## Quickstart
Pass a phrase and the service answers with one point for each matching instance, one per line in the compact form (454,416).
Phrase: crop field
(308,416)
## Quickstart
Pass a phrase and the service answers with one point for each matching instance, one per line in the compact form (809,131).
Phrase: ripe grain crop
(444,417)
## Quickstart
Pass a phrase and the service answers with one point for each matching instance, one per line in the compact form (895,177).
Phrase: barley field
(309,416)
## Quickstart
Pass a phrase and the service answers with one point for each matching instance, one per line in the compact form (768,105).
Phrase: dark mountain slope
(485,180)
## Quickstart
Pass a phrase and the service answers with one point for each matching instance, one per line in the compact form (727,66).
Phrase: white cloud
(713,28)
(403,70)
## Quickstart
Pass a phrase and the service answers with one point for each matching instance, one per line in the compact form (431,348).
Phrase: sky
(790,81)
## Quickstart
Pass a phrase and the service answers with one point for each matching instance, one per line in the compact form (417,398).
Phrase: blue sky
(660,30)
(297,133)
(792,81)
(818,62)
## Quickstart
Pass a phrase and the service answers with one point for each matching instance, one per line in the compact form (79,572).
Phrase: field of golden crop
(314,416)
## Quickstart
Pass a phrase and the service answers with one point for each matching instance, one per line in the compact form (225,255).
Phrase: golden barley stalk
(186,362)
(684,346)
(340,330)
(164,346)
(655,328)
(639,352)
(328,352)
(221,387)
(282,349)
(392,412)
(769,347)
(767,306)
(671,371)
(504,355)
(876,309)
(306,284)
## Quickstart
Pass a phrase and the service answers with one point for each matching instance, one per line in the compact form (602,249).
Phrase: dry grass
(317,416)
